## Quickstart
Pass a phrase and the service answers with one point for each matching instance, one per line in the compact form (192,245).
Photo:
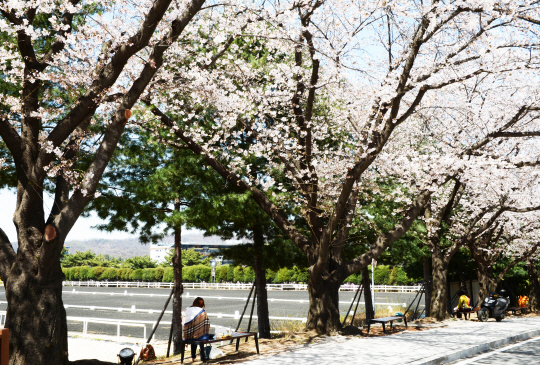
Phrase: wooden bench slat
(386,319)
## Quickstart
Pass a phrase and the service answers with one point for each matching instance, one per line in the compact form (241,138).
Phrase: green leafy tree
(238,274)
(139,262)
(282,275)
(221,273)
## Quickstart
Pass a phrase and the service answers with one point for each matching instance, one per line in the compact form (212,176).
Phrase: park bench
(385,320)
(235,336)
(4,346)
(473,310)
(522,309)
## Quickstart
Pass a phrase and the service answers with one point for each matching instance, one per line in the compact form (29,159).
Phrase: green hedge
(137,275)
(384,275)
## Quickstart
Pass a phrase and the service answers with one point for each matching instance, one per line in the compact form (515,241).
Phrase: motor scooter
(494,306)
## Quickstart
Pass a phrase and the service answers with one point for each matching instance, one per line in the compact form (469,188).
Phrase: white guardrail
(118,322)
(230,286)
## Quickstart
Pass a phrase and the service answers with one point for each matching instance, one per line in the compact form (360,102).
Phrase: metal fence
(229,286)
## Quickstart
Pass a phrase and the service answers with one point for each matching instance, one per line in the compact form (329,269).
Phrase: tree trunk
(36,316)
(486,281)
(534,294)
(439,298)
(262,299)
(366,284)
(323,314)
(427,283)
(263,314)
(178,288)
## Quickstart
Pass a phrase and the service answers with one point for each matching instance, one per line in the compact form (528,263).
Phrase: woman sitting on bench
(196,324)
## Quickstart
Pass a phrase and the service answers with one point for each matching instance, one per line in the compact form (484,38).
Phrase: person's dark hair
(198,302)
(461,292)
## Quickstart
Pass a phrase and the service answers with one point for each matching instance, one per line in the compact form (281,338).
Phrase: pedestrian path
(433,346)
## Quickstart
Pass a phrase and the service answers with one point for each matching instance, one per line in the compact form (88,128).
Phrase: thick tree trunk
(35,315)
(366,284)
(427,283)
(439,298)
(486,281)
(178,290)
(323,314)
(534,293)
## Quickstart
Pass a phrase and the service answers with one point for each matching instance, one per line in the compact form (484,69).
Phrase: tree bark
(534,293)
(439,299)
(486,281)
(323,314)
(36,316)
(428,287)
(178,288)
(366,284)
(262,299)
(263,314)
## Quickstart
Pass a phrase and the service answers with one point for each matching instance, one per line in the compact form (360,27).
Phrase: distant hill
(115,248)
(126,248)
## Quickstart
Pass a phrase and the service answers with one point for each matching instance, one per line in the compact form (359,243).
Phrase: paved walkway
(433,346)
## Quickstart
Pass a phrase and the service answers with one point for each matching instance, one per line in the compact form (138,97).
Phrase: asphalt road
(285,304)
(522,353)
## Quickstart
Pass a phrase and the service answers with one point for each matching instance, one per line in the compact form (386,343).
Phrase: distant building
(159,251)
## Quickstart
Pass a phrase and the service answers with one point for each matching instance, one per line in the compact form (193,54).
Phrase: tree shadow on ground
(91,362)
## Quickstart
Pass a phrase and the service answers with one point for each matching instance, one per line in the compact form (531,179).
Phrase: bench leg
(237,344)
(257,343)
(405,321)
(383,328)
(391,325)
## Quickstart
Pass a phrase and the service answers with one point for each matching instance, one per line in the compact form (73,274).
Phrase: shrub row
(190,274)
(383,275)
(112,274)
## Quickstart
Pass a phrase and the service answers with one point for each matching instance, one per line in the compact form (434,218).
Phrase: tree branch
(385,240)
(78,200)
(106,78)
(259,197)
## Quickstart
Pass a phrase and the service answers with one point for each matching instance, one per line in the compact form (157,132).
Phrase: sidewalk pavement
(433,346)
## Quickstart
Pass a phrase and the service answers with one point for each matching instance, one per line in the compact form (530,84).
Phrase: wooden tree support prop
(159,320)
(251,315)
(359,290)
(420,292)
(244,311)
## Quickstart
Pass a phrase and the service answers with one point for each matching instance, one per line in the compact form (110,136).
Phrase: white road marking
(491,353)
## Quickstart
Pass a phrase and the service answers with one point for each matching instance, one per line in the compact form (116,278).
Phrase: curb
(448,357)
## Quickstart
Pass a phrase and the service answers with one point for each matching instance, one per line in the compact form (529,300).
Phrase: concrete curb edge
(441,359)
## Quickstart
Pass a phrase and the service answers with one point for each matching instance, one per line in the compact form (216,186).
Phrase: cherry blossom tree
(70,73)
(329,106)
(516,239)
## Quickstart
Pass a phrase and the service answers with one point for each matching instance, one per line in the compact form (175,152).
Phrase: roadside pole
(373,264)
